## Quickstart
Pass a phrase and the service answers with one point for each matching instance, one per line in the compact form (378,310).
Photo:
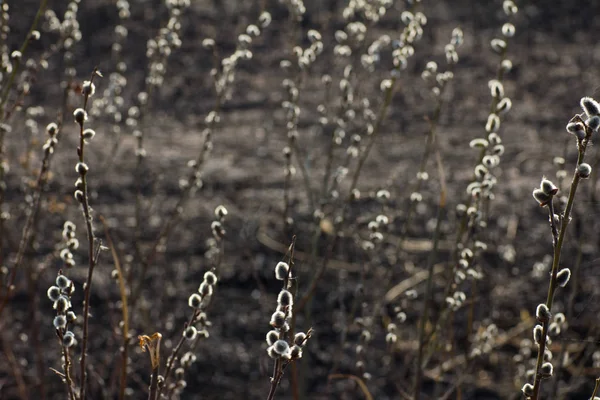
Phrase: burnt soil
(555,55)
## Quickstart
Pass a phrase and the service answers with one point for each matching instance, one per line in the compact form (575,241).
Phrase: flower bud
(264,19)
(53,293)
(537,334)
(563,276)
(285,298)
(272,337)
(554,329)
(79,196)
(60,322)
(498,45)
(560,318)
(593,123)
(52,128)
(190,333)
(62,281)
(69,339)
(548,187)
(220,212)
(81,168)
(527,389)
(496,88)
(296,352)
(277,319)
(88,88)
(541,197)
(300,338)
(504,106)
(210,278)
(584,170)
(195,301)
(577,129)
(205,289)
(62,304)
(509,7)
(493,123)
(281,347)
(80,116)
(281,270)
(590,106)
(508,30)
(506,65)
(71,317)
(542,313)
(89,134)
(547,370)
(479,143)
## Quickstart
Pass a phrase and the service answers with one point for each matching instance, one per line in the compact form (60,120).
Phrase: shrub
(331,186)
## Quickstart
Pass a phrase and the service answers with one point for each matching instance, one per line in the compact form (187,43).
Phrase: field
(321,200)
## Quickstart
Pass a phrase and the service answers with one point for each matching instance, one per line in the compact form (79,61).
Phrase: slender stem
(68,379)
(464,220)
(305,176)
(363,157)
(422,166)
(154,391)
(92,259)
(3,117)
(336,182)
(125,311)
(167,227)
(15,369)
(308,295)
(286,190)
(596,387)
(574,290)
(558,243)
(225,76)
(15,70)
(277,374)
(329,161)
(175,353)
(389,94)
(27,230)
(463,224)
(427,298)
(148,258)
(35,334)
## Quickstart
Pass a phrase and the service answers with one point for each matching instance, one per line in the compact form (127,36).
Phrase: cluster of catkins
(60,294)
(204,291)
(71,243)
(279,345)
(581,126)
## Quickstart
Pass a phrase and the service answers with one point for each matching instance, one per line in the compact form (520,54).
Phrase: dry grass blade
(361,384)
(124,309)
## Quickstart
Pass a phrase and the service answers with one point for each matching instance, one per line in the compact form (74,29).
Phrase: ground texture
(555,55)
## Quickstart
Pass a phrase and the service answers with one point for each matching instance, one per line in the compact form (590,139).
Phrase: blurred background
(555,55)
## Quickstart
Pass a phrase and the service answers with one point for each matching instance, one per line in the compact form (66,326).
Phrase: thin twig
(67,374)
(92,259)
(15,368)
(428,297)
(175,353)
(125,312)
(558,244)
(3,117)
(26,235)
(596,387)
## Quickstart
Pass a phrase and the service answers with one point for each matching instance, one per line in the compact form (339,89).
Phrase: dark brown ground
(556,58)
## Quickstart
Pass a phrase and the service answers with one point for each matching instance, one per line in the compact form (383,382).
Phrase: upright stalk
(582,130)
(93,251)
